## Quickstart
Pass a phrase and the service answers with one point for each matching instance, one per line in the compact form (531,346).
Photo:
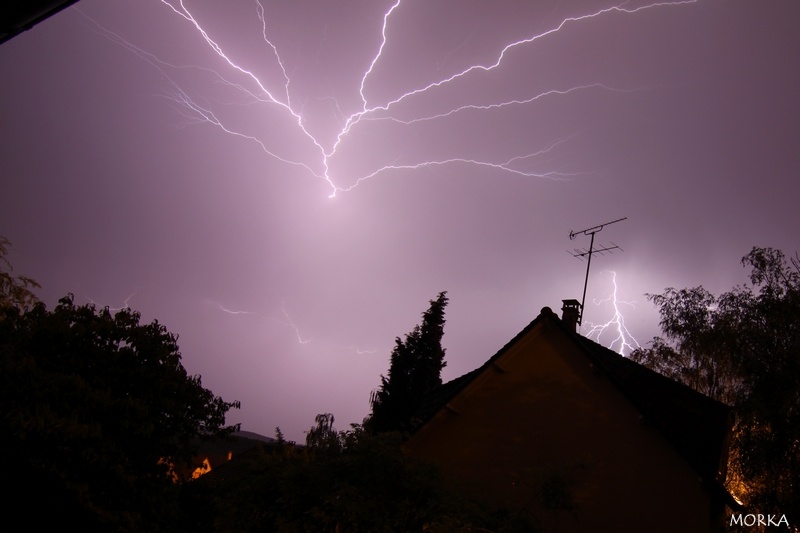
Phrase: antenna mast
(591,251)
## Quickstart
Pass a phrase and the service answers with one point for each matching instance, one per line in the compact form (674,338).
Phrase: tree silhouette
(415,369)
(15,291)
(347,481)
(97,409)
(743,348)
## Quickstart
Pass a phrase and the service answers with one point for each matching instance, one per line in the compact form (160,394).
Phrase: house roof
(694,424)
(22,15)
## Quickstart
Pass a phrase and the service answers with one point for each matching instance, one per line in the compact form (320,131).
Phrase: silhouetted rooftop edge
(695,425)
(22,15)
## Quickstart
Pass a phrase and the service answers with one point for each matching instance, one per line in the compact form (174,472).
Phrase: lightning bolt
(361,351)
(499,105)
(623,340)
(291,323)
(260,94)
(287,321)
(114,309)
(232,312)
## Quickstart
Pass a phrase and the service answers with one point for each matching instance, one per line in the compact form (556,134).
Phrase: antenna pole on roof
(584,253)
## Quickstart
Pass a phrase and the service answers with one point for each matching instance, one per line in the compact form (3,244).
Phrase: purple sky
(685,118)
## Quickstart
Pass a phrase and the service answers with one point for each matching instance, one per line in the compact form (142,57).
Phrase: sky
(287,184)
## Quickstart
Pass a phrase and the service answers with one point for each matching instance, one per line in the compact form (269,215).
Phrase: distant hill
(253,436)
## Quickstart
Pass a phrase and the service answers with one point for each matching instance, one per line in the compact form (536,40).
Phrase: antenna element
(591,251)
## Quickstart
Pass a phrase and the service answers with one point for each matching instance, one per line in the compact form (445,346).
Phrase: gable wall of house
(542,413)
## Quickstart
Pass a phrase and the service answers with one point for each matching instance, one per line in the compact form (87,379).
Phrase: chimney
(571,314)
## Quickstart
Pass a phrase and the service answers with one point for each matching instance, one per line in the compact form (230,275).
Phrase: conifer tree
(415,369)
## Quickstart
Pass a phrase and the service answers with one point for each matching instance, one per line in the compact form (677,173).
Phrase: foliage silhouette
(347,481)
(414,370)
(743,348)
(97,409)
(15,291)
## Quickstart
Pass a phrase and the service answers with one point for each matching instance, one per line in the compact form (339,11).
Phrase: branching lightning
(115,309)
(368,111)
(287,321)
(623,339)
(499,105)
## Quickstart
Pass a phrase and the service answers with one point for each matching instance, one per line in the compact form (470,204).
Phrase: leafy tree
(692,352)
(743,348)
(322,438)
(15,291)
(96,410)
(415,369)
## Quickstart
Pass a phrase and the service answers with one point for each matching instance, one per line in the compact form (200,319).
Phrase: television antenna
(581,253)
